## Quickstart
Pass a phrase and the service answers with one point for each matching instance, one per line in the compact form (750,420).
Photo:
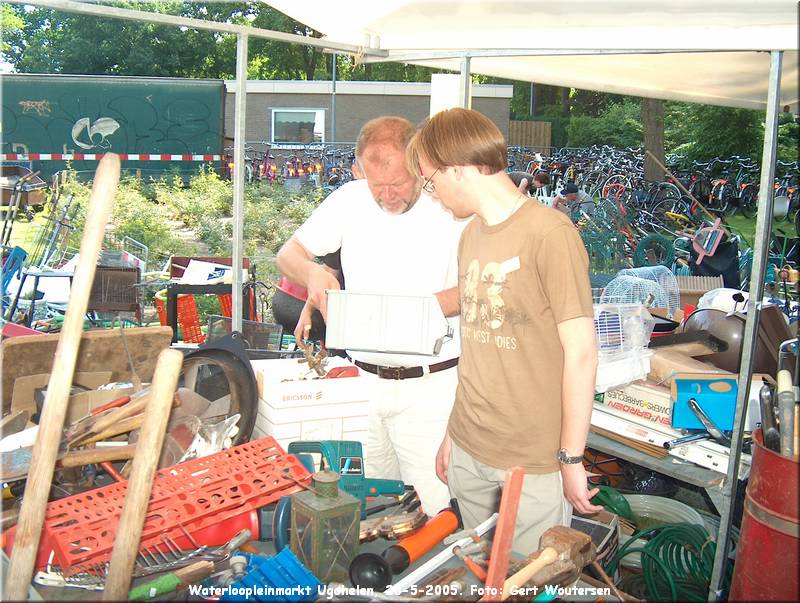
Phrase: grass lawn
(747,226)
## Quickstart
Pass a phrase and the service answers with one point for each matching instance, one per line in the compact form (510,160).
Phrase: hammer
(556,544)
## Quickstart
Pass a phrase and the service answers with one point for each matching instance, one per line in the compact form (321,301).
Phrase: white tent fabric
(568,41)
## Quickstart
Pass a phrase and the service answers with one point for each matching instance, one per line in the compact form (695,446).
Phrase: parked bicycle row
(723,186)
(321,165)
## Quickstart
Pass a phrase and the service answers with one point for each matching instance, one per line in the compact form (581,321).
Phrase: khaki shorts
(477,487)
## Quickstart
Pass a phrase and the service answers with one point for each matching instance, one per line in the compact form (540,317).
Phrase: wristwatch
(565,459)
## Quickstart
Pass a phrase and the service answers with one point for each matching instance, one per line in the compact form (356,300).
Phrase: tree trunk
(653,121)
(565,102)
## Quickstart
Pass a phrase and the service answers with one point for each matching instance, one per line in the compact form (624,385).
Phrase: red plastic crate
(188,318)
(198,495)
(225,304)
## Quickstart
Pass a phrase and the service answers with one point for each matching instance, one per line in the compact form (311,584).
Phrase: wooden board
(99,350)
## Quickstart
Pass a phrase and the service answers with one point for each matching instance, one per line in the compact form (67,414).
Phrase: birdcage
(625,289)
(665,279)
(623,333)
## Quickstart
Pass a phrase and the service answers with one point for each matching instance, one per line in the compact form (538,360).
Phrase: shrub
(619,125)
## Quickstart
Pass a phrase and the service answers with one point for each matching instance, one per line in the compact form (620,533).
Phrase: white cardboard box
(403,324)
(291,408)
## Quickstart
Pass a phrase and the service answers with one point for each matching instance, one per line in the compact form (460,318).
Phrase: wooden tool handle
(140,484)
(89,456)
(786,404)
(51,422)
(546,557)
(123,426)
(109,418)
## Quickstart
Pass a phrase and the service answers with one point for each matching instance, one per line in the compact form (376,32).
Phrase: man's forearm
(576,404)
(577,387)
(449,301)
(295,262)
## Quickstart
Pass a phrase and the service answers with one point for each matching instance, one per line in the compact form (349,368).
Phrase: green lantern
(325,528)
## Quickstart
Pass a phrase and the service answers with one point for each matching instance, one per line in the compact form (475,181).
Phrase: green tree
(10,23)
(705,131)
(620,126)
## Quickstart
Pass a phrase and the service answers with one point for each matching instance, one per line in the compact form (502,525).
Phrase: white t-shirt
(411,253)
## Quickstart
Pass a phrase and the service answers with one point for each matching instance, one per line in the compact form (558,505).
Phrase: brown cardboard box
(645,402)
(603,527)
(78,405)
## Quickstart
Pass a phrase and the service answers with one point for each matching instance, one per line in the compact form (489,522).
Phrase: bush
(207,195)
(619,126)
(133,215)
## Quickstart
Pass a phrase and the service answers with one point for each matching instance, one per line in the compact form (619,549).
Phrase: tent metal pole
(333,99)
(238,180)
(465,89)
(760,254)
(114,12)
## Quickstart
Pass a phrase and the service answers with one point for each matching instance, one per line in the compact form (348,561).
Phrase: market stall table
(712,482)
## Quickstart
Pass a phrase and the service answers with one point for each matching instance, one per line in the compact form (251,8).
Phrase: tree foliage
(620,126)
(40,40)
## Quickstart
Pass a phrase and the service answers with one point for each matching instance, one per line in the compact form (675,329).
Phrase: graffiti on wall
(125,117)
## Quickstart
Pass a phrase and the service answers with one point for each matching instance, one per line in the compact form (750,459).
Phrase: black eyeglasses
(428,185)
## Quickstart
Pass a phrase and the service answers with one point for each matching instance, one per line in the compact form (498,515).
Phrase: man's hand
(574,480)
(523,186)
(303,327)
(320,280)
(443,458)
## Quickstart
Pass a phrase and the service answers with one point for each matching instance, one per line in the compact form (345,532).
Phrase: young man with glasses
(528,361)
(393,239)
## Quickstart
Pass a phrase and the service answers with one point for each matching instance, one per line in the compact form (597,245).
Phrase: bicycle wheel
(615,183)
(653,250)
(748,201)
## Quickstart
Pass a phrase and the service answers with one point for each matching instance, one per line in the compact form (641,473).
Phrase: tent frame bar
(435,55)
(760,256)
(100,10)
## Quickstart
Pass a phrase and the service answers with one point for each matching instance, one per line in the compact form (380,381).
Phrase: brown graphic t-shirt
(517,281)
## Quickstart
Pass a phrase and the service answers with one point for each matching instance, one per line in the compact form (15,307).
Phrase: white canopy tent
(640,48)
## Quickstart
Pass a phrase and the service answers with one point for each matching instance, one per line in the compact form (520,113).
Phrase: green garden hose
(613,502)
(676,563)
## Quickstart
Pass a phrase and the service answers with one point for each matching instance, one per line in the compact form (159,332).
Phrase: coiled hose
(676,563)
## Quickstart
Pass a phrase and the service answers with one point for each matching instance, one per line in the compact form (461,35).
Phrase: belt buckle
(391,372)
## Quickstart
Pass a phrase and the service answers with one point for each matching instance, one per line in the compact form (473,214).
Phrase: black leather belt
(404,372)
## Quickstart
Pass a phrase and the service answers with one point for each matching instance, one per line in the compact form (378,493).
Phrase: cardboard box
(603,527)
(403,324)
(292,408)
(78,405)
(692,288)
(645,402)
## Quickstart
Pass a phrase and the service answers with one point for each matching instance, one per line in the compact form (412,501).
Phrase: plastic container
(655,510)
(188,318)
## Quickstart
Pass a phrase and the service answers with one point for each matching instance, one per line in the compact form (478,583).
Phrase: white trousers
(408,420)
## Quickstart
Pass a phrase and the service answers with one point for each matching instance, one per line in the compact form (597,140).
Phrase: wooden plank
(530,133)
(99,350)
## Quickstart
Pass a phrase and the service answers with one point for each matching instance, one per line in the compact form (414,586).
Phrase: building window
(298,126)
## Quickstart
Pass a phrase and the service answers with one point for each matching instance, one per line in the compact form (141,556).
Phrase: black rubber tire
(242,388)
(748,201)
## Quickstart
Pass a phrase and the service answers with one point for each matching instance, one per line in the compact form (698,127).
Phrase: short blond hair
(390,130)
(459,137)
